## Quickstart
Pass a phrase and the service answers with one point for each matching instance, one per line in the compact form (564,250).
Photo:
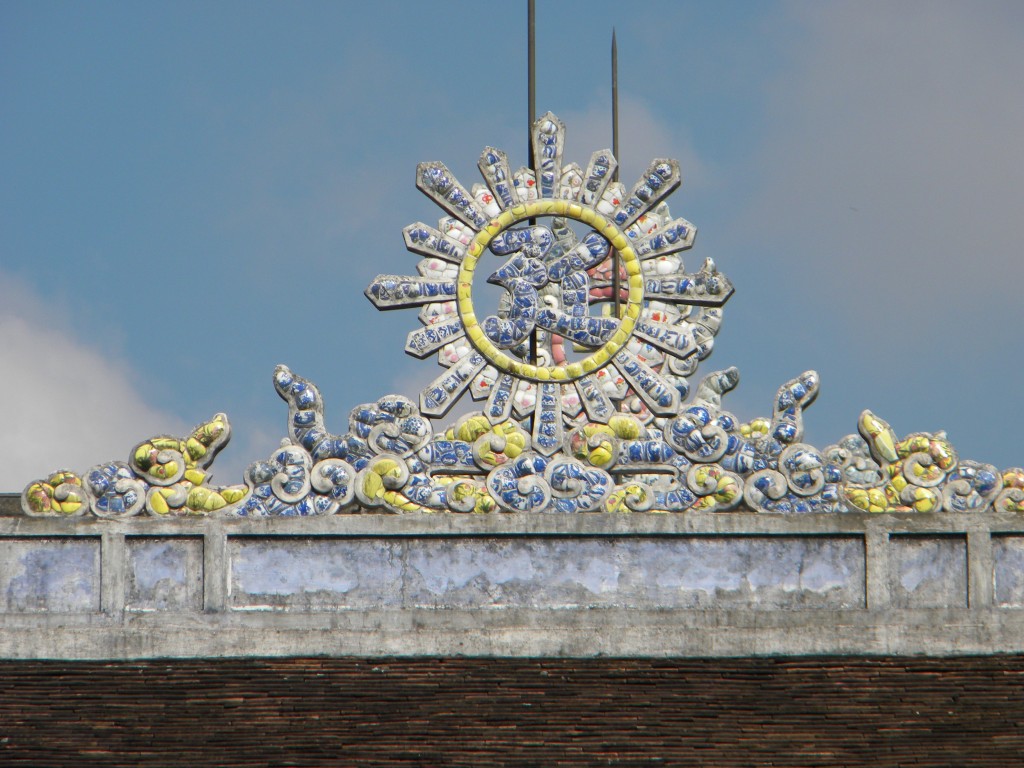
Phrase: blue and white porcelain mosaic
(584,369)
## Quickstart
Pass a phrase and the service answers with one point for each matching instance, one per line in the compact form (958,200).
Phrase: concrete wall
(513,585)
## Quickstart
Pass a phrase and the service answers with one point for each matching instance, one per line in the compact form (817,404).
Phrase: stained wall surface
(651,585)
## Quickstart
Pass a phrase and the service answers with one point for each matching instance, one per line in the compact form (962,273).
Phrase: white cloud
(63,403)
(893,156)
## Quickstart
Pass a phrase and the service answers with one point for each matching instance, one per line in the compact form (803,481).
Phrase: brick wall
(964,711)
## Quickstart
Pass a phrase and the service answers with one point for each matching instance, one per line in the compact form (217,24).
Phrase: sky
(192,193)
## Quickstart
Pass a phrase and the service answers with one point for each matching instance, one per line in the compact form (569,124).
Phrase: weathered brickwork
(803,711)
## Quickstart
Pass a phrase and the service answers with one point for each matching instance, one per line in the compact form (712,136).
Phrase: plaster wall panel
(164,574)
(56,575)
(549,572)
(1008,562)
(306,574)
(929,572)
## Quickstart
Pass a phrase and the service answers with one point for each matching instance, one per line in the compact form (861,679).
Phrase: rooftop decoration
(584,364)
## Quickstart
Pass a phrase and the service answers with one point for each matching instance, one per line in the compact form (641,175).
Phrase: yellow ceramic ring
(567,371)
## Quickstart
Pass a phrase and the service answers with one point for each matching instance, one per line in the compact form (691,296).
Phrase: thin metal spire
(531,48)
(615,105)
(616,280)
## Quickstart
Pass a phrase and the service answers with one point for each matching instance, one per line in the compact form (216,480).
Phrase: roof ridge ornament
(583,369)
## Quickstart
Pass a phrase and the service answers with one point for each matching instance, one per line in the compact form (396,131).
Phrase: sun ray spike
(677,235)
(570,182)
(706,288)
(598,176)
(426,241)
(441,186)
(495,169)
(437,312)
(660,396)
(659,181)
(547,419)
(524,180)
(571,404)
(710,318)
(425,341)
(597,405)
(398,291)
(677,340)
(524,400)
(499,403)
(548,137)
(440,395)
(483,383)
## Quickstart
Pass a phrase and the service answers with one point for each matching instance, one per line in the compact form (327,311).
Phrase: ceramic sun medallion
(553,239)
(558,299)
(598,317)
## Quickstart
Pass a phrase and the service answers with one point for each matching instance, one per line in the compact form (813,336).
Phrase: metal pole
(616,281)
(531,48)
(615,104)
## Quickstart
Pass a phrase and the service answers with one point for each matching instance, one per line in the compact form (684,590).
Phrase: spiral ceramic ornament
(558,298)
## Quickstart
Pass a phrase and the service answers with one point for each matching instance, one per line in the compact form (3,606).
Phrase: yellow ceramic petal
(158,502)
(879,435)
(234,493)
(195,476)
(373,486)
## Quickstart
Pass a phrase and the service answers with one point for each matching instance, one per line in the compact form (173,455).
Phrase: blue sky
(191,193)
